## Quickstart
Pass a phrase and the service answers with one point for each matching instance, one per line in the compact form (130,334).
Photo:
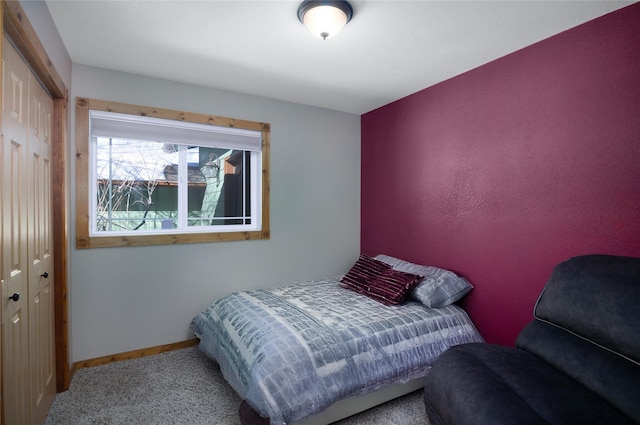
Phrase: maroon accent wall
(502,172)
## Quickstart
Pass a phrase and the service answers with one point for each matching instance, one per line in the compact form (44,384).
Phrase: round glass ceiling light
(324,18)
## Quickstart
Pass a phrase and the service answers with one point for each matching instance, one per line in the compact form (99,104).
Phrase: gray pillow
(438,288)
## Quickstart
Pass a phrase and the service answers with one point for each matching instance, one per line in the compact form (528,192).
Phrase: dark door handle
(15,297)
(45,275)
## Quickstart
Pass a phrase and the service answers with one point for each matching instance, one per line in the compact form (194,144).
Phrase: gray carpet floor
(181,387)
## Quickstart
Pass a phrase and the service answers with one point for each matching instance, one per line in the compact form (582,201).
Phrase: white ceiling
(389,50)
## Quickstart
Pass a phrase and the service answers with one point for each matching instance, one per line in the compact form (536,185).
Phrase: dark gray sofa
(577,362)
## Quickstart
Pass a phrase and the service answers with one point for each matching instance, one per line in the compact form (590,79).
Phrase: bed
(295,351)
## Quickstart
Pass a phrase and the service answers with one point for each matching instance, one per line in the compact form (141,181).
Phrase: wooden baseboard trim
(135,354)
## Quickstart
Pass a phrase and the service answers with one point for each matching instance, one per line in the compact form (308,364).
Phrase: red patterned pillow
(392,287)
(365,270)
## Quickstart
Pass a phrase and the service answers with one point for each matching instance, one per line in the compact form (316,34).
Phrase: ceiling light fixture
(324,18)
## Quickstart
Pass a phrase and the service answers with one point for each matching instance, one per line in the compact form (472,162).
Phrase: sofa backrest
(587,324)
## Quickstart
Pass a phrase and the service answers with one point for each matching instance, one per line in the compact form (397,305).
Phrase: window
(145,177)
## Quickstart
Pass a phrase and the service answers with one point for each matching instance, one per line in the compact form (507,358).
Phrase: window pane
(137,183)
(139,186)
(224,199)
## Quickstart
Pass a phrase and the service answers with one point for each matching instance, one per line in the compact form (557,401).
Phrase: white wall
(124,299)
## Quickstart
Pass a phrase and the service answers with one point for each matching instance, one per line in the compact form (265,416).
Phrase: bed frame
(340,409)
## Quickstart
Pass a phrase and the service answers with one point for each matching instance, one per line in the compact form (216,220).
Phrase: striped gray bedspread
(292,351)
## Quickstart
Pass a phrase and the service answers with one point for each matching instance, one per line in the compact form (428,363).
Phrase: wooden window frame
(83,237)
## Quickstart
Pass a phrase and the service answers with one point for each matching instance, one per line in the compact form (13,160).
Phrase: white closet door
(15,330)
(28,367)
(40,258)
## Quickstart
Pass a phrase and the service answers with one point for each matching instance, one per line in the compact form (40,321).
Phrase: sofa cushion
(596,297)
(587,322)
(604,372)
(484,384)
